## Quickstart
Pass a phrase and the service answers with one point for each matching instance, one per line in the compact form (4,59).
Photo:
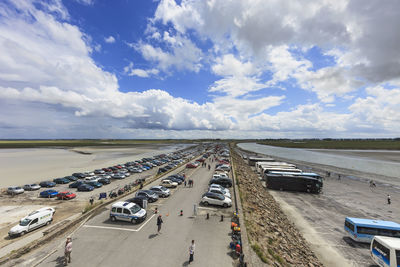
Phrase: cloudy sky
(199,69)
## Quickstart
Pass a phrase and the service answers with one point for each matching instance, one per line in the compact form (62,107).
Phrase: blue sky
(199,69)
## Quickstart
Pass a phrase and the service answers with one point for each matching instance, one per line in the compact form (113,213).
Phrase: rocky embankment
(272,236)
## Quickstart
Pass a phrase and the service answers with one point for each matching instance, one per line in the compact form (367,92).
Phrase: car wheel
(113,218)
(205,203)
(22,233)
(133,221)
(225,205)
(48,222)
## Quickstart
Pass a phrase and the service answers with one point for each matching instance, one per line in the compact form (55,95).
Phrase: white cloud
(110,39)
(129,70)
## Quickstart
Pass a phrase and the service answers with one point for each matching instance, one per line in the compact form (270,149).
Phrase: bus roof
(374,223)
(393,242)
(311,174)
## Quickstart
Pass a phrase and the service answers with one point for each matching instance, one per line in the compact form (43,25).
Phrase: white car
(210,198)
(126,211)
(219,191)
(15,190)
(31,187)
(224,168)
(34,220)
(168,183)
(219,187)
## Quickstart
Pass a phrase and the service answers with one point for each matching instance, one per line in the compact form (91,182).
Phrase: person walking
(67,251)
(191,252)
(388,199)
(159,222)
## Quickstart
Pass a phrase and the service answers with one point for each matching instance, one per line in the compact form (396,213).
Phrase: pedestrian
(338,177)
(191,252)
(91,200)
(184,182)
(67,251)
(388,199)
(159,222)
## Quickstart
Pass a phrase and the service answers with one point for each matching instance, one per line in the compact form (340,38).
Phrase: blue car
(48,193)
(94,184)
(47,184)
(76,184)
(85,187)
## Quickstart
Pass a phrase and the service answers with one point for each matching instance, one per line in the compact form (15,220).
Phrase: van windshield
(135,209)
(24,222)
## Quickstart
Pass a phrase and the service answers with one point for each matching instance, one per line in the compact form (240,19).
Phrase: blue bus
(307,174)
(364,230)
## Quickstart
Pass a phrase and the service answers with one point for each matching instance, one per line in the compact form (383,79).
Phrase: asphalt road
(101,242)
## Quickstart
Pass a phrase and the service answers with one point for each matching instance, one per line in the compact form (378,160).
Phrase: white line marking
(119,228)
(207,208)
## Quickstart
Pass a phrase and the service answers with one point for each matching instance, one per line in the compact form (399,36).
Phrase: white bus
(263,164)
(385,251)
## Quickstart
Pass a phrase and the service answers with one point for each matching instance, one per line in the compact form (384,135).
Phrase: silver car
(31,187)
(14,190)
(161,191)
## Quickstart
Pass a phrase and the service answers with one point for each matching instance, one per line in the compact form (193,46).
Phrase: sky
(199,69)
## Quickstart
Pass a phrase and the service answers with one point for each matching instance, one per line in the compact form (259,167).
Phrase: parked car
(138,200)
(104,181)
(135,170)
(61,181)
(47,184)
(216,199)
(48,193)
(76,184)
(107,169)
(223,168)
(15,190)
(192,165)
(107,176)
(85,187)
(219,187)
(176,180)
(151,196)
(161,170)
(34,220)
(79,175)
(219,191)
(127,211)
(225,182)
(71,178)
(161,191)
(66,195)
(118,176)
(177,176)
(99,171)
(168,183)
(31,187)
(95,184)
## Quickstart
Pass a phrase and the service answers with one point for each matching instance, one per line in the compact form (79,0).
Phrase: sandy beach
(22,166)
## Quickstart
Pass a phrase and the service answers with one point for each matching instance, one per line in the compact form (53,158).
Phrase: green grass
(89,207)
(385,144)
(260,254)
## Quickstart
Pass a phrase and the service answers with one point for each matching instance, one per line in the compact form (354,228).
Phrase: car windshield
(24,222)
(135,209)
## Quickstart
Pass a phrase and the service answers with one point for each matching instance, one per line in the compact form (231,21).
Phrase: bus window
(349,225)
(367,230)
(381,249)
(398,257)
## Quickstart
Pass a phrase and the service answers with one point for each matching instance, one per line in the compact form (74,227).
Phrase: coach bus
(262,164)
(292,182)
(364,230)
(307,174)
(385,251)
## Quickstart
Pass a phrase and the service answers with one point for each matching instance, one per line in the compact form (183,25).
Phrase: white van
(385,251)
(127,211)
(34,220)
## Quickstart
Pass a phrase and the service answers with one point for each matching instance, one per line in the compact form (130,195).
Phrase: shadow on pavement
(186,263)
(152,236)
(59,261)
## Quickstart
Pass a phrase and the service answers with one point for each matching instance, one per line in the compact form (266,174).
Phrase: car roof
(157,186)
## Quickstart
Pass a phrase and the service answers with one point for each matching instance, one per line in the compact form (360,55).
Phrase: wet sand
(382,155)
(350,196)
(22,166)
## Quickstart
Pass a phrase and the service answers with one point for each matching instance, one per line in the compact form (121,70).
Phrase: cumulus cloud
(130,71)
(110,39)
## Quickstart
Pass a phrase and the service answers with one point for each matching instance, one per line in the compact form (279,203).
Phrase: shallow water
(336,159)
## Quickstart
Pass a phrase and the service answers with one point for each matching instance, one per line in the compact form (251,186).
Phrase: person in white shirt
(67,251)
(191,252)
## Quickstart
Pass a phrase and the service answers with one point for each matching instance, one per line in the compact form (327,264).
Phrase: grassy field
(82,142)
(385,144)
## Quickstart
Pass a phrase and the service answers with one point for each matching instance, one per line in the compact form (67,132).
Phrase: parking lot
(100,242)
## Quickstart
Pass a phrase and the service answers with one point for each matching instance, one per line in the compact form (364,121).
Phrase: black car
(167,167)
(61,181)
(225,182)
(177,176)
(71,178)
(176,180)
(104,181)
(85,187)
(47,184)
(151,196)
(138,200)
(161,170)
(79,175)
(76,184)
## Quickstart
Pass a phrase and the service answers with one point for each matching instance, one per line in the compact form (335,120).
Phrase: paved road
(103,243)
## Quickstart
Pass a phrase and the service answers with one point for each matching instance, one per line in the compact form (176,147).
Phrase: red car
(107,169)
(191,165)
(66,195)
